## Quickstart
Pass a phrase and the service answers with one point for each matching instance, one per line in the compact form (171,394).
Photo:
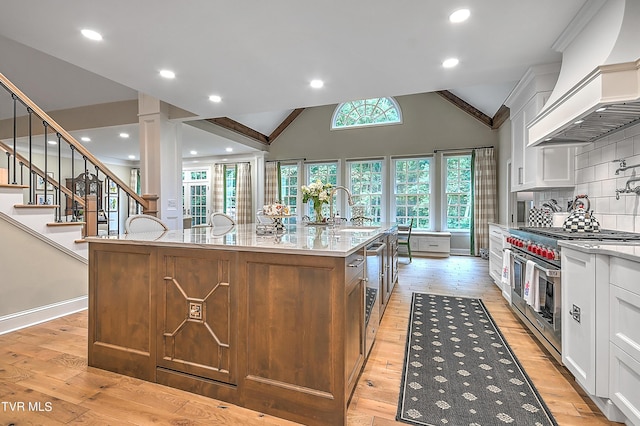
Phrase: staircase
(43,251)
(40,219)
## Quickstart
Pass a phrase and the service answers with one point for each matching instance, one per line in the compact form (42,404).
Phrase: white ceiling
(260,55)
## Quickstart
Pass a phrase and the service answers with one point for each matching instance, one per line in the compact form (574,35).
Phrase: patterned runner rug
(459,370)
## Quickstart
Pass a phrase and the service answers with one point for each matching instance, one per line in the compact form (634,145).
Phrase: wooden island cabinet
(270,323)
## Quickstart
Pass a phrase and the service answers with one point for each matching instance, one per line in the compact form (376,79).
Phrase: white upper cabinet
(544,167)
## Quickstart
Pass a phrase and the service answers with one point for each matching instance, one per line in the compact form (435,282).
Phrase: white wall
(502,158)
(595,176)
(36,274)
(429,123)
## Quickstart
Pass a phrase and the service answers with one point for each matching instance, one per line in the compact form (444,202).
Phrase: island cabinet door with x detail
(197,315)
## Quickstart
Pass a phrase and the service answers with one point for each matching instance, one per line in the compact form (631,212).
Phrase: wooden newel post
(152,201)
(91,216)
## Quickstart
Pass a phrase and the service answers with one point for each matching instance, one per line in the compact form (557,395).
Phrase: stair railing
(95,194)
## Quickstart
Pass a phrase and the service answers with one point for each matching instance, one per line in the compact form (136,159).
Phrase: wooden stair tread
(65,223)
(36,206)
(10,185)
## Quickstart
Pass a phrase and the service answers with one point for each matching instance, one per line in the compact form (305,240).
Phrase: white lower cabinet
(624,382)
(601,329)
(585,319)
(437,244)
(497,243)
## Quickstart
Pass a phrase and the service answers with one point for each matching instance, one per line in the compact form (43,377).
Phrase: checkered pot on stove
(581,219)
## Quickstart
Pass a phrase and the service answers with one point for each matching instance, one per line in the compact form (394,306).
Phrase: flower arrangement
(275,209)
(317,192)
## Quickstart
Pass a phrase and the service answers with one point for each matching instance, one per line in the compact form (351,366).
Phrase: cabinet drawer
(434,244)
(625,317)
(621,270)
(354,266)
(624,383)
(495,233)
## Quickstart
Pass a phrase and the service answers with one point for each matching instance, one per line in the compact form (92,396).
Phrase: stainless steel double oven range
(540,245)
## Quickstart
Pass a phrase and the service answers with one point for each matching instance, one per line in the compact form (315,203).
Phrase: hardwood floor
(46,365)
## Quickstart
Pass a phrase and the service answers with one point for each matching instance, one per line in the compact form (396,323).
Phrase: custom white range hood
(598,90)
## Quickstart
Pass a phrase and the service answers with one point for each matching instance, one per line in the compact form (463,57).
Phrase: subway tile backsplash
(595,176)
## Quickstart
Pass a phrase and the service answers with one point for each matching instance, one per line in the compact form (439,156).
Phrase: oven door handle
(555,273)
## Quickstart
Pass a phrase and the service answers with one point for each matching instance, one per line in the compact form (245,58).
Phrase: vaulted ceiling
(259,57)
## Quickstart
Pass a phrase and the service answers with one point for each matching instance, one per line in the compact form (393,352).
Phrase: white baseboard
(13,322)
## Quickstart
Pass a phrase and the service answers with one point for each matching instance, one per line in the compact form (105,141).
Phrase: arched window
(366,112)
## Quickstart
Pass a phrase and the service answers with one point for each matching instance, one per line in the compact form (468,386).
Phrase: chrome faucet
(627,188)
(333,191)
(623,166)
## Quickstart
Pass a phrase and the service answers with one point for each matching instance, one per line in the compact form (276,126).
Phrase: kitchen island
(274,323)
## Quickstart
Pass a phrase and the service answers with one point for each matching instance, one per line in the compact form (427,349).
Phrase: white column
(161,158)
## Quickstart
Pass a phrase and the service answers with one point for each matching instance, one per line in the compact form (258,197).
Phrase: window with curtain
(289,177)
(326,173)
(366,185)
(458,192)
(230,175)
(366,112)
(412,191)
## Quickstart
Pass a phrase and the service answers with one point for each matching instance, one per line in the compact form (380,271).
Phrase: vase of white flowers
(317,192)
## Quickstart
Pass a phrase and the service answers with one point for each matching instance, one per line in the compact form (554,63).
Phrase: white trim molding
(19,320)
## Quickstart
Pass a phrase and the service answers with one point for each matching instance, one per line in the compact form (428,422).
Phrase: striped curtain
(244,210)
(485,199)
(217,189)
(134,183)
(271,182)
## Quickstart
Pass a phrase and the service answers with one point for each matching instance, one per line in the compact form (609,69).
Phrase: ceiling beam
(294,114)
(501,115)
(240,128)
(233,125)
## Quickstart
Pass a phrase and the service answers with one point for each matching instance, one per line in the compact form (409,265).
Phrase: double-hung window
(366,179)
(230,174)
(289,177)
(458,192)
(412,191)
(326,172)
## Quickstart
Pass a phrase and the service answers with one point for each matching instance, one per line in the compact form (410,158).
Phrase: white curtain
(485,199)
(217,189)
(271,182)
(244,210)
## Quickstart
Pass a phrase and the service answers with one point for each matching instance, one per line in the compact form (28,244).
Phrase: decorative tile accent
(195,311)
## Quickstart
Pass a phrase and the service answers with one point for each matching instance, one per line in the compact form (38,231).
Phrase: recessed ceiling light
(167,74)
(215,98)
(601,109)
(316,84)
(91,35)
(193,152)
(450,63)
(132,157)
(459,15)
(228,149)
(85,139)
(124,135)
(224,159)
(52,142)
(547,139)
(579,122)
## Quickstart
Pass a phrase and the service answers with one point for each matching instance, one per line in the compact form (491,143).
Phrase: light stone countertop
(339,241)
(626,250)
